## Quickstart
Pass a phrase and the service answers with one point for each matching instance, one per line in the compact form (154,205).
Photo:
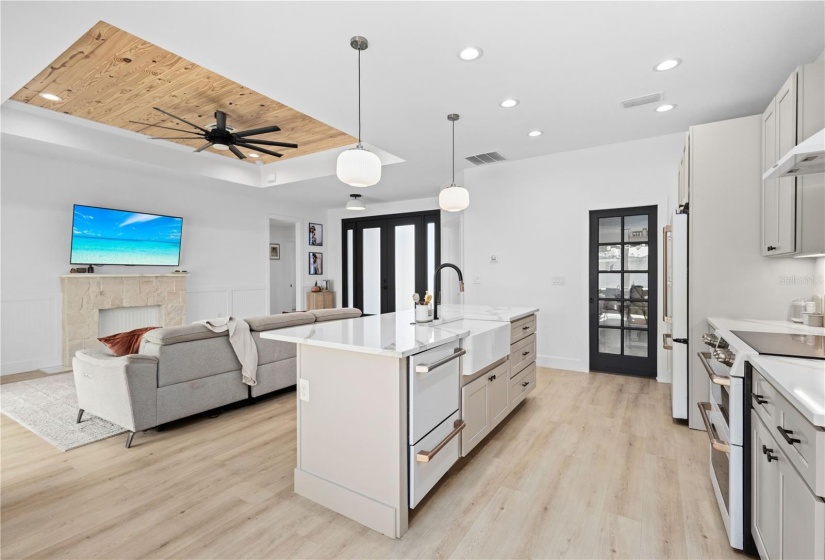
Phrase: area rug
(48,407)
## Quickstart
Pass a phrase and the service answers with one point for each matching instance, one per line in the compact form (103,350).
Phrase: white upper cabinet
(793,208)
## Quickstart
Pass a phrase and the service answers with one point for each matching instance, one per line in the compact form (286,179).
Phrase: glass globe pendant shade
(454,198)
(359,167)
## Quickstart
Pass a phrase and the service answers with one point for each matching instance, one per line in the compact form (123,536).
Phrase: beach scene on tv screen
(104,236)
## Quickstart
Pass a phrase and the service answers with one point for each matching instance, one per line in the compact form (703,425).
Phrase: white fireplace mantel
(84,295)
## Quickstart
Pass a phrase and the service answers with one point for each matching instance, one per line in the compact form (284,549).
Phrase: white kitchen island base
(352,436)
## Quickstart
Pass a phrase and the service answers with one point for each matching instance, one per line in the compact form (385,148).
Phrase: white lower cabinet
(484,403)
(442,447)
(788,520)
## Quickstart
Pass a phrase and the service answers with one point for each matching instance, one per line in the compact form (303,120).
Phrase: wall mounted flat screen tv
(107,236)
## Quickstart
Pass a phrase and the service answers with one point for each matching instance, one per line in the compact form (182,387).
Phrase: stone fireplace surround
(84,295)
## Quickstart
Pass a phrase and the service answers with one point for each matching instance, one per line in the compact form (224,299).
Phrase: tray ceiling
(112,77)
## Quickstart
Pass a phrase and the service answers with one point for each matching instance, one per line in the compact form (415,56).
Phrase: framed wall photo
(274,251)
(316,263)
(316,235)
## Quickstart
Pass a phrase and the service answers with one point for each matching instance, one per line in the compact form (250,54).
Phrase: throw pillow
(125,343)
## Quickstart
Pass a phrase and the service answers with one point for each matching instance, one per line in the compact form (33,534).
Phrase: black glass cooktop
(790,345)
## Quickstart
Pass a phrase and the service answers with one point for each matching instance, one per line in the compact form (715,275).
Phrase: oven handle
(713,436)
(427,456)
(717,379)
(427,368)
(665,345)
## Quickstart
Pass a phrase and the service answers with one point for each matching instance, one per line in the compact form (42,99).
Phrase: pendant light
(355,204)
(453,198)
(358,167)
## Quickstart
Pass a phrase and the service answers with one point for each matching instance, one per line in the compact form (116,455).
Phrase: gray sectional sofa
(181,371)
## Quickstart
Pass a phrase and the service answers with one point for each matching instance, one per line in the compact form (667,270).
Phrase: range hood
(806,158)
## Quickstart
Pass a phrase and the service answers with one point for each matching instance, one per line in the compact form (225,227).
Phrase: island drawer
(522,353)
(434,388)
(522,384)
(802,442)
(433,456)
(522,328)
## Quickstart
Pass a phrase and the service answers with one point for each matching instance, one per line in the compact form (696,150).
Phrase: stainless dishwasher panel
(434,388)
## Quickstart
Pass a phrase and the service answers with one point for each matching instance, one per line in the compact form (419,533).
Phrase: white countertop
(763,325)
(802,382)
(396,334)
(485,312)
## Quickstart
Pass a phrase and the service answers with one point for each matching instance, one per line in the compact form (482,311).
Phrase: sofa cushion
(197,359)
(273,350)
(281,321)
(336,314)
(184,333)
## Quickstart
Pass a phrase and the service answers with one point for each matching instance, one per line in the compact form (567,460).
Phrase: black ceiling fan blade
(270,143)
(180,119)
(166,127)
(257,149)
(237,152)
(256,131)
(220,120)
(202,148)
(177,138)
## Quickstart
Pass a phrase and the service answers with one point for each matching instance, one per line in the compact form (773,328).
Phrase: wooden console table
(320,300)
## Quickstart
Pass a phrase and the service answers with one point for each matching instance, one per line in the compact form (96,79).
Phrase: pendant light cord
(453,152)
(359,97)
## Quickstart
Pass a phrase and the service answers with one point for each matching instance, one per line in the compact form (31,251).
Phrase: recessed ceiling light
(254,155)
(507,103)
(535,133)
(470,53)
(665,108)
(668,64)
(50,97)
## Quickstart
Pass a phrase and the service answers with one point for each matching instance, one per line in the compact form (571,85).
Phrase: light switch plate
(303,390)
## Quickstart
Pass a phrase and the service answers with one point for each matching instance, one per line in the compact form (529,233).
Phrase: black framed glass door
(388,258)
(623,281)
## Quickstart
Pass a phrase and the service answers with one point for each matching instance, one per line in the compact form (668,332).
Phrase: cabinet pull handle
(525,328)
(525,352)
(771,457)
(525,383)
(427,368)
(492,378)
(713,436)
(716,379)
(427,456)
(785,433)
(771,248)
(759,399)
(766,450)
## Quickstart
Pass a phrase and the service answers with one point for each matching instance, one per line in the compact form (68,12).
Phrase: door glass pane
(635,314)
(610,341)
(610,285)
(635,228)
(610,230)
(372,271)
(350,269)
(430,257)
(635,257)
(610,257)
(404,267)
(635,286)
(635,343)
(610,313)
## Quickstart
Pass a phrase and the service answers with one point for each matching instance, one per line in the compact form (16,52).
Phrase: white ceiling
(569,63)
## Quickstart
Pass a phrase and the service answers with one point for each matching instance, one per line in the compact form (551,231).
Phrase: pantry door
(386,259)
(623,281)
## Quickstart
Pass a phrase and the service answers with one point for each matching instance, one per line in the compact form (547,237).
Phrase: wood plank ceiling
(112,77)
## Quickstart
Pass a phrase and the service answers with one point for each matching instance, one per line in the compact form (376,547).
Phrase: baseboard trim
(29,365)
(558,362)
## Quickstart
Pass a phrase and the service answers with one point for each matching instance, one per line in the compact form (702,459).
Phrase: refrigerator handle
(665,231)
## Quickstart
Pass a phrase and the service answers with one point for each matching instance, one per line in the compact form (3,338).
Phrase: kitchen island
(387,406)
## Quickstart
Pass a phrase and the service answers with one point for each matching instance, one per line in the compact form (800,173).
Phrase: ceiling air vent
(643,100)
(484,159)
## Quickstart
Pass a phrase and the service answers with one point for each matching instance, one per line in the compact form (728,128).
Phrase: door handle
(427,456)
(427,368)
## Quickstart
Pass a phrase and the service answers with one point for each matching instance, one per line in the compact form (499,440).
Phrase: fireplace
(85,295)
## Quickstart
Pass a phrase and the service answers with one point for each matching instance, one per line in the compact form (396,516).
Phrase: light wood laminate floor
(589,466)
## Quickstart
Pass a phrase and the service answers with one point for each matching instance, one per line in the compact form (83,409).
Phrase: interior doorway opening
(282,265)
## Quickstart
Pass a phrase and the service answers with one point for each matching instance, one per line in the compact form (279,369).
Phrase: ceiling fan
(223,137)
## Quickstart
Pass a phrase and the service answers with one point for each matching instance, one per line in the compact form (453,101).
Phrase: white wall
(534,215)
(225,240)
(282,292)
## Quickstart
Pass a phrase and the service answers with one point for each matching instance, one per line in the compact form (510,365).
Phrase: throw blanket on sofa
(242,343)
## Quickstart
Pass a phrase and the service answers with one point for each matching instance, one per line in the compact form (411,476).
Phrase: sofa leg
(79,416)
(129,439)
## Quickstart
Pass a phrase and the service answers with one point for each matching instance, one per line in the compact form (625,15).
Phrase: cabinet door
(786,117)
(786,110)
(803,517)
(770,235)
(475,413)
(499,398)
(766,492)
